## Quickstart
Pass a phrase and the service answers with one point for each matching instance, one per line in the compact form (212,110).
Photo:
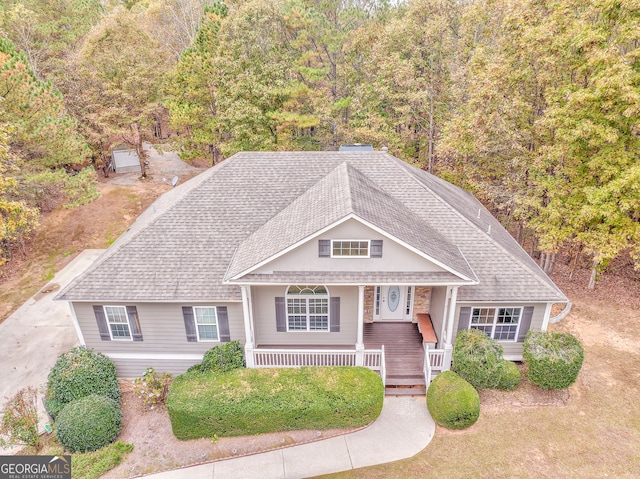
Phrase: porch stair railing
(294,358)
(433,363)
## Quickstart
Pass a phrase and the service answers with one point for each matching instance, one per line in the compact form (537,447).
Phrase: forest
(531,105)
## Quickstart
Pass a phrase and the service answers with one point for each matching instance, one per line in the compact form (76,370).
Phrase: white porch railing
(294,358)
(433,361)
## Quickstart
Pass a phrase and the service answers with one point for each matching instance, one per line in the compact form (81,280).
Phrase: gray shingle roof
(214,225)
(342,192)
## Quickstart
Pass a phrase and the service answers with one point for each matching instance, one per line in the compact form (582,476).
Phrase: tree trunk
(215,154)
(431,134)
(574,263)
(552,263)
(519,230)
(137,142)
(594,273)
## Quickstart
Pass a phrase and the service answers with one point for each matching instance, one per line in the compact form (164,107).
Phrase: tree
(17,218)
(192,89)
(587,175)
(46,29)
(115,80)
(43,134)
(404,94)
(175,23)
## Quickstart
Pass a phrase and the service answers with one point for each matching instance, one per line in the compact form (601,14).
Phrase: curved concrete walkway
(403,429)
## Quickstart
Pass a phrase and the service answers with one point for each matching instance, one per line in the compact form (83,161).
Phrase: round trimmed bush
(477,359)
(553,360)
(89,423)
(223,358)
(79,373)
(509,376)
(452,401)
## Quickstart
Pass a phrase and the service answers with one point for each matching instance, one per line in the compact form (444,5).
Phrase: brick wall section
(369,292)
(421,297)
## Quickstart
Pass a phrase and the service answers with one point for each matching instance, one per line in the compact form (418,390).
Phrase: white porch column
(248,326)
(448,346)
(451,314)
(360,334)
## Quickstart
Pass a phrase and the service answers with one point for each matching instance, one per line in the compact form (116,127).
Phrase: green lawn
(597,434)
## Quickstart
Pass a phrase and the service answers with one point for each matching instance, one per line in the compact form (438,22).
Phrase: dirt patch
(64,233)
(156,448)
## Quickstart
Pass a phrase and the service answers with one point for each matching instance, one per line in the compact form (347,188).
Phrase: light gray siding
(164,343)
(395,257)
(264,318)
(436,310)
(512,349)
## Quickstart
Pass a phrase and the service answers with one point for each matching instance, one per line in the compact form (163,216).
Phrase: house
(310,258)
(124,160)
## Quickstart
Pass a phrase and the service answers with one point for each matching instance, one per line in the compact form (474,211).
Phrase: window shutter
(334,315)
(281,315)
(525,322)
(465,318)
(376,249)
(324,248)
(189,324)
(101,319)
(136,332)
(223,324)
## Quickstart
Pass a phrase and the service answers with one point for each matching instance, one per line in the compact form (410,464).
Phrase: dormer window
(350,248)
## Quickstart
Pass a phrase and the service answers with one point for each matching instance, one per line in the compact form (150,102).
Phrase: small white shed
(125,161)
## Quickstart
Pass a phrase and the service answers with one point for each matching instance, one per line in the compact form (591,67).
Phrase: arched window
(307,308)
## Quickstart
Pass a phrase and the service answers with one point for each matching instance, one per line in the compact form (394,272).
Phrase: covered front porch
(397,349)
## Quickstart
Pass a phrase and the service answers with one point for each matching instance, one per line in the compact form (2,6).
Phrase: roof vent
(356,147)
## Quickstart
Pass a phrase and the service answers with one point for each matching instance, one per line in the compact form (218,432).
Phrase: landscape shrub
(453,402)
(89,423)
(553,360)
(79,373)
(256,401)
(223,358)
(19,421)
(509,376)
(152,387)
(477,359)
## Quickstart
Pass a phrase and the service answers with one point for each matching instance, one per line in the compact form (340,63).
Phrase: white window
(118,322)
(500,324)
(307,308)
(349,248)
(206,318)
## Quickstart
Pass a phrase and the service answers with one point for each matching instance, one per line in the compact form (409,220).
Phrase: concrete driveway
(37,333)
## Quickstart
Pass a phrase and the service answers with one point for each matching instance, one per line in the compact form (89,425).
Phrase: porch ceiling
(353,277)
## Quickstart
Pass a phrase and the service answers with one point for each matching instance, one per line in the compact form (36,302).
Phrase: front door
(393,303)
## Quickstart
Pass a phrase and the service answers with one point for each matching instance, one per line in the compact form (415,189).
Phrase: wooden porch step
(405,385)
(405,392)
(411,381)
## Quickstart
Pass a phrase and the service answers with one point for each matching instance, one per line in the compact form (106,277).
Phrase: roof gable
(345,193)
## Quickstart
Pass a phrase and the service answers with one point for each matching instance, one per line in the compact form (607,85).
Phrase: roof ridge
(536,273)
